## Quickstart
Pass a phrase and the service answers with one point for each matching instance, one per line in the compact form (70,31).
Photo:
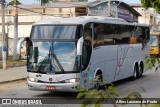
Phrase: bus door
(87,71)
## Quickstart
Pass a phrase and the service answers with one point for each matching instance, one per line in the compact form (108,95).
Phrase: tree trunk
(15,16)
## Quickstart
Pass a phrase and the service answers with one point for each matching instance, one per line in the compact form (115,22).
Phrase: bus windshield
(154,41)
(54,56)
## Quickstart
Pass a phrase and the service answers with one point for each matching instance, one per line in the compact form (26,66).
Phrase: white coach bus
(64,53)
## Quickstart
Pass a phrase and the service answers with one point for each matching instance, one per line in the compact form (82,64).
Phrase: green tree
(44,2)
(151,3)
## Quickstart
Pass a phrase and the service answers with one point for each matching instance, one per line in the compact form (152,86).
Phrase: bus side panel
(104,57)
(139,52)
(123,66)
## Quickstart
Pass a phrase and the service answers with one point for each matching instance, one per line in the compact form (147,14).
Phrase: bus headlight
(31,79)
(72,80)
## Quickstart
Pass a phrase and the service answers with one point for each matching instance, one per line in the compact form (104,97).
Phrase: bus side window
(144,35)
(122,34)
(98,34)
(109,34)
(136,35)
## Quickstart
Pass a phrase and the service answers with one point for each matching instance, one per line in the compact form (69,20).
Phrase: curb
(10,81)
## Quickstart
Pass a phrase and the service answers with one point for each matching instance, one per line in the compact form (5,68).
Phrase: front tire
(98,81)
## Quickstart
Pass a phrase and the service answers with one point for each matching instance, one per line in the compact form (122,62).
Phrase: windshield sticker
(53,68)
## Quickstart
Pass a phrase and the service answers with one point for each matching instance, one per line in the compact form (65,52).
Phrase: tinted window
(56,32)
(99,34)
(121,34)
(110,34)
(139,34)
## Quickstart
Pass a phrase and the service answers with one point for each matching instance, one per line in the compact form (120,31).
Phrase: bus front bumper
(57,87)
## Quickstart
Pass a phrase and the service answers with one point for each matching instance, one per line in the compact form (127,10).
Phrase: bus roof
(85,19)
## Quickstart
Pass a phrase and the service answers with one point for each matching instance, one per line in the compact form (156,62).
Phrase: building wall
(102,10)
(27,18)
(117,10)
(149,16)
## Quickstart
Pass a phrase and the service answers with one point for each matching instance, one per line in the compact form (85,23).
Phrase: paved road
(148,86)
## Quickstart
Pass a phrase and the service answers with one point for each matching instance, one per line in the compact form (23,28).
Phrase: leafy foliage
(132,94)
(151,3)
(154,105)
(44,2)
(97,97)
(152,62)
(14,2)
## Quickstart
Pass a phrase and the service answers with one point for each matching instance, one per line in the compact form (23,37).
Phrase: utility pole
(4,42)
(15,16)
(109,8)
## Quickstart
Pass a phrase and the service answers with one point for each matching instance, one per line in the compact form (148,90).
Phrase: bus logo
(50,79)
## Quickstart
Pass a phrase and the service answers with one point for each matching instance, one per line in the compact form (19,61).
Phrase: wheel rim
(135,74)
(97,86)
(140,71)
(98,81)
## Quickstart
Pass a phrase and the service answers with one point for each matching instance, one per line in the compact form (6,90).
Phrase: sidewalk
(13,74)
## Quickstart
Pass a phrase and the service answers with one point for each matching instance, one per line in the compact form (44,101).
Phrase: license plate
(50,88)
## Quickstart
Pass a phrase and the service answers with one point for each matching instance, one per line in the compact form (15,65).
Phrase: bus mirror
(28,44)
(79,46)
(35,54)
(19,45)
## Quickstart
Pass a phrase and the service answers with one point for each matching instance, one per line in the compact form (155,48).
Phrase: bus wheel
(140,71)
(98,81)
(136,72)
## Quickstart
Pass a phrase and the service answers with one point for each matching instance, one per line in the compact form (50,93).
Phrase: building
(116,9)
(148,16)
(28,14)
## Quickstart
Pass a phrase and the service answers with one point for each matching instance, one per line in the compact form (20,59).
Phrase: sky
(36,1)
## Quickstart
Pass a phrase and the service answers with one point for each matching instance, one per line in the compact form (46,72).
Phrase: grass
(13,63)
